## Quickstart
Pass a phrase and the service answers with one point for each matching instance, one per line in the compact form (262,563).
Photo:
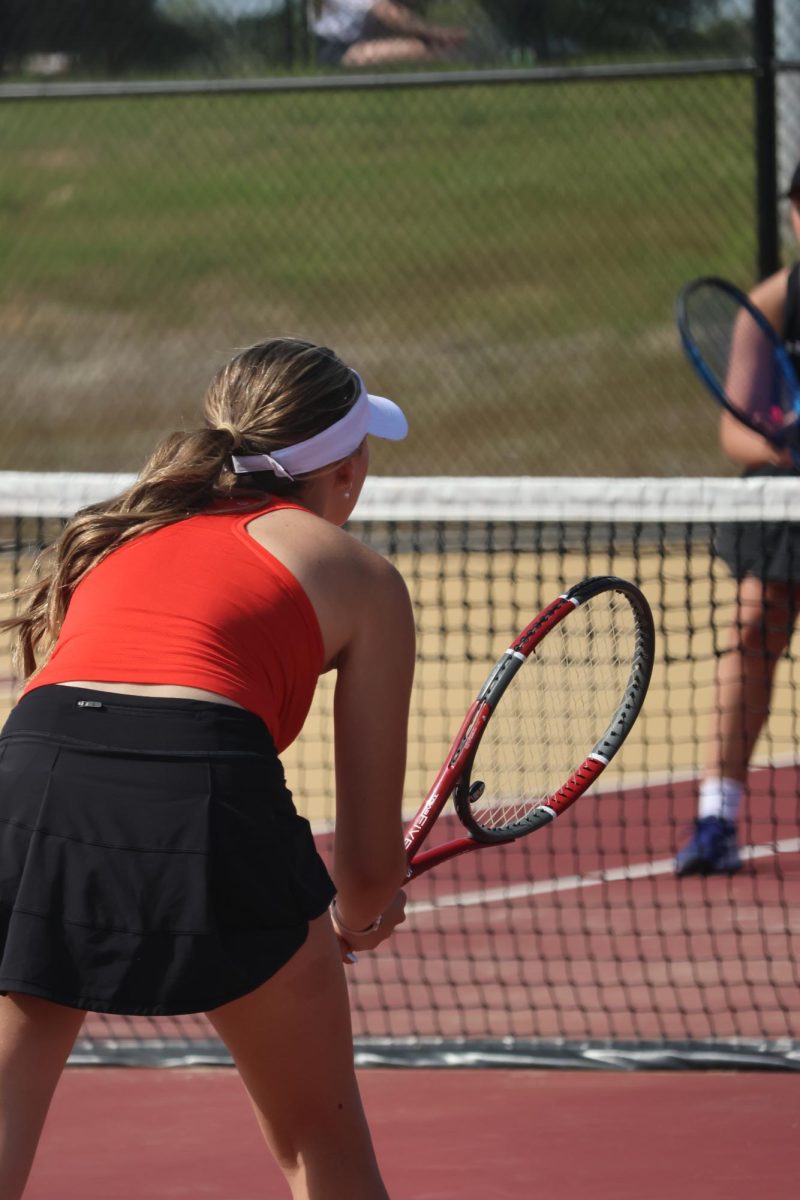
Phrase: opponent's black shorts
(330,53)
(151,859)
(762,549)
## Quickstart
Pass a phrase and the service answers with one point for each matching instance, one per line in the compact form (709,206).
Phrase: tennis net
(577,946)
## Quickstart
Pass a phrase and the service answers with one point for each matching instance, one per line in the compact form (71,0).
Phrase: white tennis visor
(369,415)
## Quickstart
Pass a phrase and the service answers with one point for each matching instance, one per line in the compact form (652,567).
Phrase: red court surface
(128,1134)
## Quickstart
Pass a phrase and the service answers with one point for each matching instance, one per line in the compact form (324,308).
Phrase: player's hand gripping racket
(553,713)
(741,359)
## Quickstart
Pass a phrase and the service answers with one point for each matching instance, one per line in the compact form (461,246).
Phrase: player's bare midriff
(165,691)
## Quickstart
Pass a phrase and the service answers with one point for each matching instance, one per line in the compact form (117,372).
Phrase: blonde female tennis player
(152,859)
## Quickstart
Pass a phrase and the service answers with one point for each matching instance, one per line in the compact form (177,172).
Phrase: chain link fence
(494,235)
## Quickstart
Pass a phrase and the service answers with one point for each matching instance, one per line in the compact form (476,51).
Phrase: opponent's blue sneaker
(711,850)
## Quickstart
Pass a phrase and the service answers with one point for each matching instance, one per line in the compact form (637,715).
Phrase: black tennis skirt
(151,859)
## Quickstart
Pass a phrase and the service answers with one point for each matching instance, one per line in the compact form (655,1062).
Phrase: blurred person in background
(764,559)
(359,33)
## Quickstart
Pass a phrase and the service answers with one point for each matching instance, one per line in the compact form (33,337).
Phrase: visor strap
(245,464)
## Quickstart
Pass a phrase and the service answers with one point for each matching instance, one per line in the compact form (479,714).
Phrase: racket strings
(741,357)
(555,710)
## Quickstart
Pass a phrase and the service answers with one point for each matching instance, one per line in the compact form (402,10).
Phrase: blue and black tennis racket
(741,359)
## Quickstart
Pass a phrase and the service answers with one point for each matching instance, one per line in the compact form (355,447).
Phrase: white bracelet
(376,924)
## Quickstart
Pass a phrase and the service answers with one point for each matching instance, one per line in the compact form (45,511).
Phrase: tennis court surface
(122,1134)
(577,947)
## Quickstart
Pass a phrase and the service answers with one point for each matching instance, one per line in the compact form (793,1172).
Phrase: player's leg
(35,1041)
(760,632)
(377,51)
(292,1043)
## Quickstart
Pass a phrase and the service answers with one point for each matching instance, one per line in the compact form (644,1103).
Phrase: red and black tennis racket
(552,714)
(741,359)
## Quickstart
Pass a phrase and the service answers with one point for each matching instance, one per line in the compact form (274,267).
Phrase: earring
(347,494)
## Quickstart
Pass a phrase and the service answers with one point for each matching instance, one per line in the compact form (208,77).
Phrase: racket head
(562,700)
(741,359)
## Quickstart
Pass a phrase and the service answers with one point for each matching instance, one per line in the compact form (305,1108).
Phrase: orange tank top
(200,604)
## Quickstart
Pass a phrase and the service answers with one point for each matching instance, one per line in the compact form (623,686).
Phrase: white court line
(566,883)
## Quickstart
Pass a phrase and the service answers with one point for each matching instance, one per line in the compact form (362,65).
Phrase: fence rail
(371,81)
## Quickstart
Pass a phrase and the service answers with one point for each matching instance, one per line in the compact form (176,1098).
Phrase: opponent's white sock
(720,798)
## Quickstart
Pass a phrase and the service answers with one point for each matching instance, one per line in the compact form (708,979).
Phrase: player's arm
(742,445)
(748,448)
(373,687)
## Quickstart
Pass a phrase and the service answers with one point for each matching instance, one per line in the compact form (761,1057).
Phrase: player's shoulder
(300,536)
(366,575)
(370,563)
(769,295)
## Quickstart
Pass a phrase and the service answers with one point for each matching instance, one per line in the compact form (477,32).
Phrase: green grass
(504,260)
